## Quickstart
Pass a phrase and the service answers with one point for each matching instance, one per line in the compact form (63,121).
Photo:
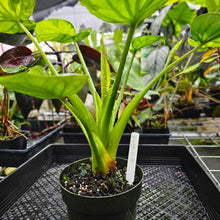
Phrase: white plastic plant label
(132,157)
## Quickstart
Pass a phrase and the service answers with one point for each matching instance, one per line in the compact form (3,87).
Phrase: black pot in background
(18,143)
(118,207)
(187,111)
(38,125)
(147,136)
(212,107)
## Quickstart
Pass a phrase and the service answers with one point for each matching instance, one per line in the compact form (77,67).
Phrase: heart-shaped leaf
(123,11)
(59,30)
(181,14)
(13,12)
(205,30)
(38,83)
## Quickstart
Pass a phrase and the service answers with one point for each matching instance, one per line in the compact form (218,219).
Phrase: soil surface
(82,182)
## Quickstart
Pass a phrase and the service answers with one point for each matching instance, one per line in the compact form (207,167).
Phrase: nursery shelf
(173,185)
(202,138)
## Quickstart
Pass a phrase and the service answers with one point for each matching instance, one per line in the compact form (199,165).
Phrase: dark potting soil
(81,181)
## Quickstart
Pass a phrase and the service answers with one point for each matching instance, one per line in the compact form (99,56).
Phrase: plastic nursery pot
(118,207)
(18,143)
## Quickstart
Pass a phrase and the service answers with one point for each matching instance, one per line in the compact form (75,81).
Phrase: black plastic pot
(187,111)
(118,207)
(18,143)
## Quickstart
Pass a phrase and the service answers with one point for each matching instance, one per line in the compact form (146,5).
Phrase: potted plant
(10,136)
(103,133)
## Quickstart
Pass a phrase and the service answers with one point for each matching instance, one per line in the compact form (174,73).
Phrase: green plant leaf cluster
(103,132)
(178,16)
(14,11)
(205,30)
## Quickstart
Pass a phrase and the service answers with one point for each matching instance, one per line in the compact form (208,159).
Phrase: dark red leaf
(91,56)
(17,56)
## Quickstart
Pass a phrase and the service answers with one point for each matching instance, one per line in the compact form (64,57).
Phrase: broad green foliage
(176,17)
(38,83)
(59,30)
(205,30)
(12,11)
(213,6)
(103,133)
(182,14)
(123,12)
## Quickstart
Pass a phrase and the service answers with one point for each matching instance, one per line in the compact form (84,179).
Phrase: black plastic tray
(174,187)
(149,138)
(15,157)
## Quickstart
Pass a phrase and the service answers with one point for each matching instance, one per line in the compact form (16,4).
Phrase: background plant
(103,133)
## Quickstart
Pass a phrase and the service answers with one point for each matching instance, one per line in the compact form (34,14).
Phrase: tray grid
(166,194)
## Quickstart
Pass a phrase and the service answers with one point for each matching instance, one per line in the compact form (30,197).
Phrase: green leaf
(205,30)
(82,35)
(213,6)
(135,79)
(182,14)
(190,68)
(123,11)
(12,70)
(118,35)
(94,38)
(38,83)
(58,30)
(142,41)
(194,43)
(156,60)
(13,12)
(172,53)
(105,71)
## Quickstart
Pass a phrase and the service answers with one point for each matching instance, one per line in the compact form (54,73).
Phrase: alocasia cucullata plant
(103,133)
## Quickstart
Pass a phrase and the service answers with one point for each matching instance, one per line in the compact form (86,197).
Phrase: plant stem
(85,69)
(50,65)
(87,123)
(13,109)
(108,114)
(118,101)
(178,82)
